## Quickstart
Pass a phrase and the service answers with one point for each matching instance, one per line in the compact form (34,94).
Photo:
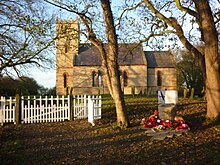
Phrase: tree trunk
(210,65)
(211,58)
(113,68)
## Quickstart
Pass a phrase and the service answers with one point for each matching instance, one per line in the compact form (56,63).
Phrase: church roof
(159,59)
(87,55)
(129,54)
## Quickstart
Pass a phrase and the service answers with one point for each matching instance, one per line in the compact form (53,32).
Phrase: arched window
(64,80)
(125,78)
(67,44)
(120,77)
(99,79)
(159,78)
(93,79)
(66,48)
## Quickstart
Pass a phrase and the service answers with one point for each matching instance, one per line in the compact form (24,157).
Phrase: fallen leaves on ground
(77,142)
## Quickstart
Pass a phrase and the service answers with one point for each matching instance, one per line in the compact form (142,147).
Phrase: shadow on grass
(78,142)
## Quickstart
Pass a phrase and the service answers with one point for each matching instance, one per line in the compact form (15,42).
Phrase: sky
(48,78)
(44,78)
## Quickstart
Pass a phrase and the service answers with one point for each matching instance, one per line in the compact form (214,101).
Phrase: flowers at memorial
(163,124)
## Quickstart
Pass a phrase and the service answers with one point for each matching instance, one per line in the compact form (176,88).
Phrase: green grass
(137,107)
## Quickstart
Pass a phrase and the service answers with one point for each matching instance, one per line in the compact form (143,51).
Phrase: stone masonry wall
(168,76)
(81,80)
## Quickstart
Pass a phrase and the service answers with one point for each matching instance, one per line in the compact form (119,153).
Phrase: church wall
(137,79)
(60,90)
(66,48)
(168,79)
(81,80)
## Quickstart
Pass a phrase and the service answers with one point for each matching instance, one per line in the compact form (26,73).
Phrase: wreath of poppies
(155,122)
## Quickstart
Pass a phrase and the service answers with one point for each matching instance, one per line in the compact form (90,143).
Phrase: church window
(159,78)
(125,78)
(93,79)
(66,48)
(65,80)
(67,44)
(99,79)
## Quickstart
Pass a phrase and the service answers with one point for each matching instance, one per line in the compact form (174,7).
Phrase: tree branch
(185,9)
(125,10)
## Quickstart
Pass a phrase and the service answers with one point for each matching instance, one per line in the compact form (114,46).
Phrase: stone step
(161,135)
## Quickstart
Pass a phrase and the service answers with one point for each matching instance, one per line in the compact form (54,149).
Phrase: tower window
(65,80)
(66,48)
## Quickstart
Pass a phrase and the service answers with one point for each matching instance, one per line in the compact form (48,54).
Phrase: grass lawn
(77,142)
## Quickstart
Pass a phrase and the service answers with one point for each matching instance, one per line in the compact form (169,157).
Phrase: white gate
(94,108)
(87,107)
(80,106)
(53,109)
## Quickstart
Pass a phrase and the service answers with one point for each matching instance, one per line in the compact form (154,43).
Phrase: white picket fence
(80,106)
(53,109)
(7,110)
(94,111)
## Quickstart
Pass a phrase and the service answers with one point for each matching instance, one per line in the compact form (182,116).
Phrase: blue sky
(44,78)
(48,78)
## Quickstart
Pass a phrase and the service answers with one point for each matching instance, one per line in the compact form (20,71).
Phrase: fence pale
(53,109)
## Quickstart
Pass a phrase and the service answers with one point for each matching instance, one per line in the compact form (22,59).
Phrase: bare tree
(109,53)
(25,36)
(207,21)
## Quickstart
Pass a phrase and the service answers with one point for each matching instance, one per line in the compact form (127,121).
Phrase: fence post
(18,107)
(2,107)
(90,111)
(71,106)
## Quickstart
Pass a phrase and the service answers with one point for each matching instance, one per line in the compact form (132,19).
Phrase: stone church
(79,69)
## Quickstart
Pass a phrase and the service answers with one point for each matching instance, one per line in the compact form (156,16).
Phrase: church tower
(67,44)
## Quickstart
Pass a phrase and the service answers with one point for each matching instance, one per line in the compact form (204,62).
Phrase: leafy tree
(189,74)
(27,86)
(7,86)
(47,91)
(25,36)
(88,12)
(51,91)
(173,14)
